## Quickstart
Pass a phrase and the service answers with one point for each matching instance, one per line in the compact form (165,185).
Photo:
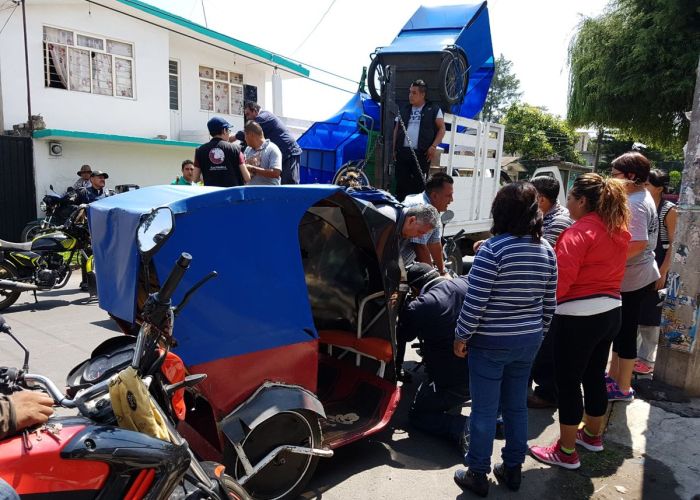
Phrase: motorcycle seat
(10,245)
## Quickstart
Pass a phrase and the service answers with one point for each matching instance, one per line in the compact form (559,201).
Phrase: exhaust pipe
(16,285)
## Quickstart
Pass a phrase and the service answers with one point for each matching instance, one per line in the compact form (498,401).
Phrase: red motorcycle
(88,456)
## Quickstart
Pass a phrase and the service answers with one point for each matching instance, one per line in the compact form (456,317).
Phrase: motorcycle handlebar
(176,274)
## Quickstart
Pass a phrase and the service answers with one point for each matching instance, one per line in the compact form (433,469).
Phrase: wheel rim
(280,476)
(454,79)
(31,234)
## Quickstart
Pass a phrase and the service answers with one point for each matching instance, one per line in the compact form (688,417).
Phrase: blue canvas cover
(331,143)
(249,235)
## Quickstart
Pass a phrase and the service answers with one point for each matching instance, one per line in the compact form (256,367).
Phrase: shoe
(534,401)
(510,476)
(594,443)
(554,456)
(83,286)
(615,394)
(475,482)
(642,368)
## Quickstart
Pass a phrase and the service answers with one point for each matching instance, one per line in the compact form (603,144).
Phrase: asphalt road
(397,463)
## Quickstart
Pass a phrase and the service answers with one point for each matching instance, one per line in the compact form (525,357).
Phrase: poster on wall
(680,317)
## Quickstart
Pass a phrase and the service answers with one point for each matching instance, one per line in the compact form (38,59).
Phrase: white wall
(126,163)
(144,116)
(191,55)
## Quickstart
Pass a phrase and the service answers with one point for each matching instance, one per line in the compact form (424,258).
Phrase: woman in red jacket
(591,256)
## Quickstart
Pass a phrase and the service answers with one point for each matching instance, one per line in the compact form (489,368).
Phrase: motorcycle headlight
(42,206)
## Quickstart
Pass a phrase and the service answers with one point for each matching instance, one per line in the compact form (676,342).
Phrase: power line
(8,19)
(266,63)
(330,6)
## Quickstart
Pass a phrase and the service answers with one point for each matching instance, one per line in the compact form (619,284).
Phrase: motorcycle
(57,208)
(451,252)
(88,455)
(46,261)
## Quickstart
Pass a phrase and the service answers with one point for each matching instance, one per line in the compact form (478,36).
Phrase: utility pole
(678,363)
(599,139)
(30,122)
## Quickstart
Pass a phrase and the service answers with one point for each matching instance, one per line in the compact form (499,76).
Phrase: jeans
(290,170)
(498,376)
(437,411)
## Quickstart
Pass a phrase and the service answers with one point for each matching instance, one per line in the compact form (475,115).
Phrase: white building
(124,87)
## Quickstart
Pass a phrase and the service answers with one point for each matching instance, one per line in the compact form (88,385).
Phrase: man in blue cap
(220,162)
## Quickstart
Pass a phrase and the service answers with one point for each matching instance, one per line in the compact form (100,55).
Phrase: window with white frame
(220,91)
(85,63)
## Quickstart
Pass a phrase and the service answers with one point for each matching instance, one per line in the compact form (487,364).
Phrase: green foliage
(616,143)
(504,90)
(633,68)
(536,135)
(675,180)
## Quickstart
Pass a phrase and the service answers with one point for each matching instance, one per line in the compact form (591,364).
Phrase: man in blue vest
(279,135)
(418,131)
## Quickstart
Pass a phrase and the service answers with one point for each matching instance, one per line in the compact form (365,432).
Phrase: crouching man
(432,317)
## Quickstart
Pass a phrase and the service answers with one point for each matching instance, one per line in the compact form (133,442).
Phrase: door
(17,189)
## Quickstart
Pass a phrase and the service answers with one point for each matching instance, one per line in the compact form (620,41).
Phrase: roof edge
(51,133)
(273,58)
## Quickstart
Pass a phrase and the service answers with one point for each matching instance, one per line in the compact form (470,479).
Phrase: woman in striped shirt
(509,303)
(591,256)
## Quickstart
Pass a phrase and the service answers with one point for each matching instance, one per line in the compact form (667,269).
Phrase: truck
(450,49)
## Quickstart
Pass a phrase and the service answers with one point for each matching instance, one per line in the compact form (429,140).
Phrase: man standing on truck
(418,131)
(438,193)
(279,134)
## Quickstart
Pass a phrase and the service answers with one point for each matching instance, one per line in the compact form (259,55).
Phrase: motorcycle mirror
(447,216)
(51,187)
(153,230)
(5,328)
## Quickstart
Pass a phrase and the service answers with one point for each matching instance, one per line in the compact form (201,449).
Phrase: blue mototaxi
(296,335)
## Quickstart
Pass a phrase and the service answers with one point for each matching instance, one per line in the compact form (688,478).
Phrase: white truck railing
(474,161)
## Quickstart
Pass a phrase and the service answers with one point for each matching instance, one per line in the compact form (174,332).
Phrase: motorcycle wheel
(30,231)
(286,476)
(361,175)
(8,297)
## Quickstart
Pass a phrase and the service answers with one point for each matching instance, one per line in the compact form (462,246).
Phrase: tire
(8,297)
(375,79)
(30,231)
(505,179)
(287,475)
(453,78)
(454,260)
(351,168)
(234,490)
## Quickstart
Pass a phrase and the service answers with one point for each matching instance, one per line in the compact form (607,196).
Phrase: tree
(633,69)
(537,135)
(615,143)
(504,90)
(675,180)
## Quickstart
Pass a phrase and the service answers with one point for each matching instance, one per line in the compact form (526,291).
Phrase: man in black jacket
(432,317)
(417,133)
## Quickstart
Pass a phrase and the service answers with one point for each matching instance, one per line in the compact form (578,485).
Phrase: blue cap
(216,125)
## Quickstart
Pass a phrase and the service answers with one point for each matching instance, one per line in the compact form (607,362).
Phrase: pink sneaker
(554,456)
(641,368)
(594,443)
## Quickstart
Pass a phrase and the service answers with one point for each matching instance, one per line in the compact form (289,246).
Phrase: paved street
(650,452)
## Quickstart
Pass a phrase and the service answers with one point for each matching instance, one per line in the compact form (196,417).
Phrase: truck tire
(453,78)
(375,79)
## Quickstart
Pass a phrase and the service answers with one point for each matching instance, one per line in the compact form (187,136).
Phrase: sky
(533,34)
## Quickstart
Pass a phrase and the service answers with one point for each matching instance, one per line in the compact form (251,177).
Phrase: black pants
(581,348)
(290,170)
(408,180)
(543,370)
(438,410)
(625,343)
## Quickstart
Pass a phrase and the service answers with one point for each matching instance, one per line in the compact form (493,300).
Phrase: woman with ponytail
(509,304)
(591,255)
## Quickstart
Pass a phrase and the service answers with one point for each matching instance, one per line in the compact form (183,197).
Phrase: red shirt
(591,262)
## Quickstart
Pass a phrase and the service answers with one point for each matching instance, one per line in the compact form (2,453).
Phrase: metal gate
(17,190)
